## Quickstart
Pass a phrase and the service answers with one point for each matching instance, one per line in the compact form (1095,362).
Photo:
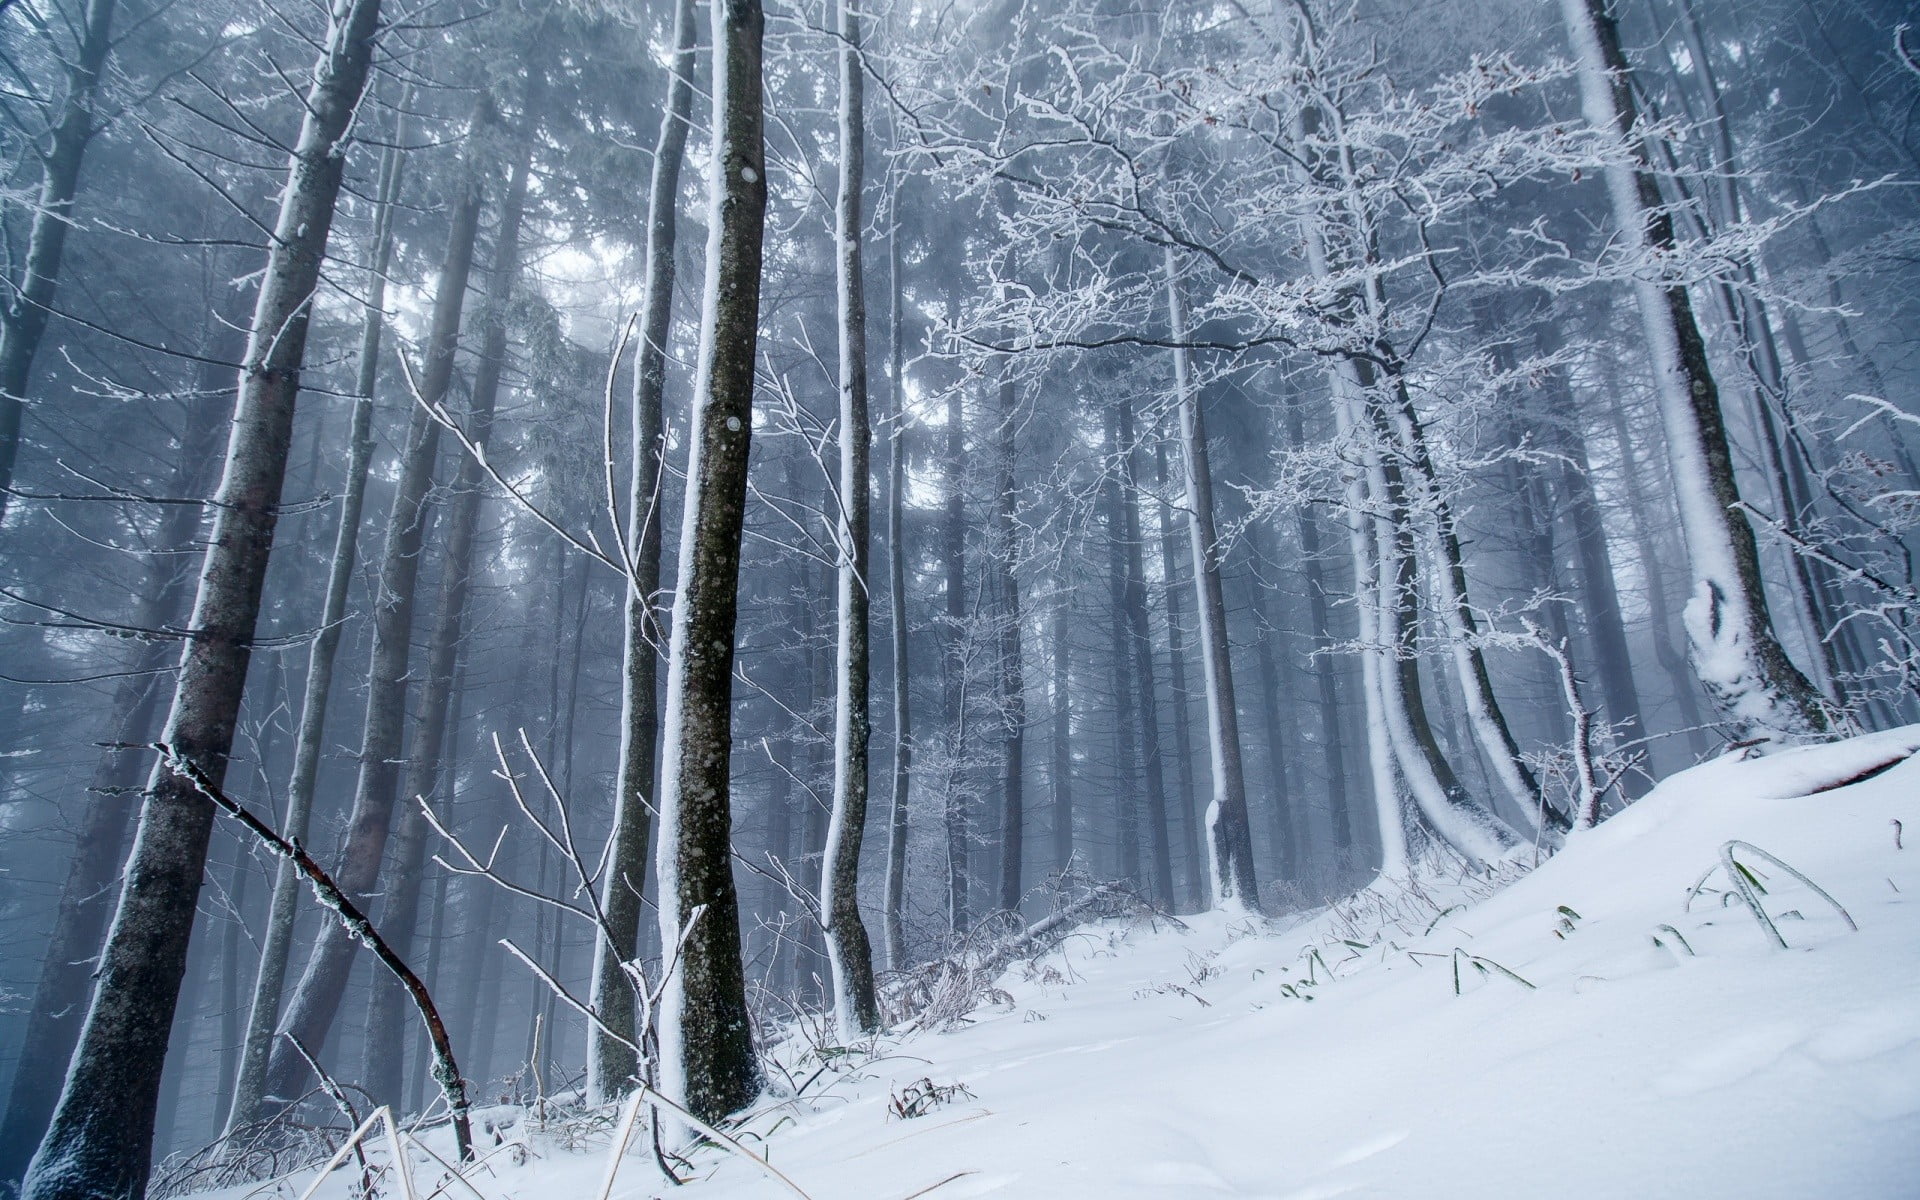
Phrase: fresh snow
(1142,1060)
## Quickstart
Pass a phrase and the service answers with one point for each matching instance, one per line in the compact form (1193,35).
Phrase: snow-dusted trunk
(23,319)
(100,1138)
(1229,840)
(1735,653)
(896,883)
(315,1002)
(1446,574)
(1456,815)
(277,942)
(610,1063)
(387,1016)
(1810,584)
(1011,676)
(849,952)
(1177,681)
(706,1036)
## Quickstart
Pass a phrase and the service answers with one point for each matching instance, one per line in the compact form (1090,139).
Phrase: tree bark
(849,952)
(382,1073)
(102,1129)
(66,971)
(315,1002)
(1184,790)
(23,320)
(611,1064)
(277,942)
(706,1035)
(896,884)
(1735,653)
(1138,641)
(1229,838)
(1012,679)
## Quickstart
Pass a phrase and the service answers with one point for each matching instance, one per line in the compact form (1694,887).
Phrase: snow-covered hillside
(1331,1056)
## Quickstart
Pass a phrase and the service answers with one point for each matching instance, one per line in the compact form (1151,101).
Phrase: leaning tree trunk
(1229,839)
(23,320)
(1735,653)
(101,1135)
(316,999)
(849,953)
(706,1037)
(270,976)
(387,1017)
(611,1061)
(79,924)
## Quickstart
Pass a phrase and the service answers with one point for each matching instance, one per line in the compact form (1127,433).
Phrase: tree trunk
(387,1013)
(957,659)
(1287,824)
(277,942)
(609,1063)
(1012,679)
(1759,691)
(1062,775)
(1139,646)
(102,1129)
(706,1036)
(316,999)
(66,970)
(849,953)
(896,888)
(1332,735)
(1184,790)
(23,320)
(1229,839)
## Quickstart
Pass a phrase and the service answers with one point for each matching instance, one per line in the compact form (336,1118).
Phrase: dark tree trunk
(23,320)
(896,884)
(1012,679)
(100,844)
(609,1063)
(387,1015)
(277,942)
(849,952)
(706,1034)
(1139,642)
(101,1134)
(316,999)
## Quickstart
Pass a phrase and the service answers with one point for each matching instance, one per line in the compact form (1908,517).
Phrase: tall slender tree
(100,1140)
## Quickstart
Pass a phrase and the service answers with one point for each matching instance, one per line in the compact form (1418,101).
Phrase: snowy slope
(1155,1062)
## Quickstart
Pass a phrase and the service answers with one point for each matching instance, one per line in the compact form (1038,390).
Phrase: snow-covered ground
(1330,1056)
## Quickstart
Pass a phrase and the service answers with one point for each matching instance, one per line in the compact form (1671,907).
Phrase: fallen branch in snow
(446,1072)
(939,993)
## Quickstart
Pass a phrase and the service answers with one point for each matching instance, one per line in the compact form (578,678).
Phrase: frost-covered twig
(446,1072)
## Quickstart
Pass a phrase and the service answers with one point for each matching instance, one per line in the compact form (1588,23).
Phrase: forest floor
(1453,1039)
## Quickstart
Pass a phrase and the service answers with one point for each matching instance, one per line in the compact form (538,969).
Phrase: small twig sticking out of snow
(1745,885)
(1897,830)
